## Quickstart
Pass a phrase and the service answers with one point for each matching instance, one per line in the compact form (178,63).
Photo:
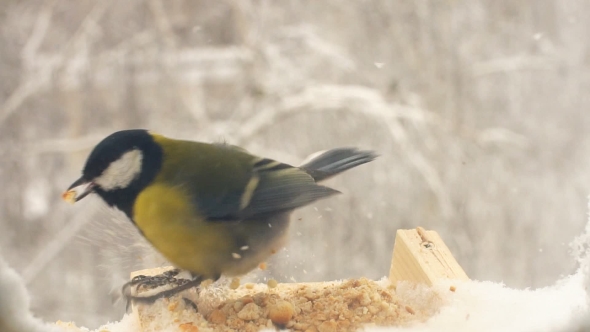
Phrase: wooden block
(422,256)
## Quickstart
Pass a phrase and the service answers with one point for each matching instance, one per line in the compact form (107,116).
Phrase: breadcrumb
(321,307)
(235,283)
(272,283)
(281,312)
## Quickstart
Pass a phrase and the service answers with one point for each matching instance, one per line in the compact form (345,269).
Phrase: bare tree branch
(31,82)
(163,23)
(29,51)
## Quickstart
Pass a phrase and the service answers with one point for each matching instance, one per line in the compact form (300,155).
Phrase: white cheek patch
(121,172)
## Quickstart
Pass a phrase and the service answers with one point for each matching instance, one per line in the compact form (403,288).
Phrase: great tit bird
(210,209)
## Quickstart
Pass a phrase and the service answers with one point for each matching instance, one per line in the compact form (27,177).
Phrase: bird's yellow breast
(167,219)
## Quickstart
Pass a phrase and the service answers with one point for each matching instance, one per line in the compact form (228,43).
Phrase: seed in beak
(69,196)
(78,190)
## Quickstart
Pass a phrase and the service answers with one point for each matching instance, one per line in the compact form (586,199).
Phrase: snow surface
(14,304)
(474,306)
(486,306)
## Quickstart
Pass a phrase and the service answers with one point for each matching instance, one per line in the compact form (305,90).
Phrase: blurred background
(479,110)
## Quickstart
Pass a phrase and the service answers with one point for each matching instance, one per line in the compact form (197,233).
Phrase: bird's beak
(78,190)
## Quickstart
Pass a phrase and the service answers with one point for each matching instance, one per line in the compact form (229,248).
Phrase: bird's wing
(277,187)
(271,187)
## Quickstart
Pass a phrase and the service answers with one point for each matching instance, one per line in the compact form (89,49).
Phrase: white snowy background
(478,108)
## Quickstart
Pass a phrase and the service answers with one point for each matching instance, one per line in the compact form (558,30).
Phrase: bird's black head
(118,168)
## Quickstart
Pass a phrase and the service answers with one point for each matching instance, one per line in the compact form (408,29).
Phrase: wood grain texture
(422,256)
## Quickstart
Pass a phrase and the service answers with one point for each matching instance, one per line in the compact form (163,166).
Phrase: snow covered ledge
(418,296)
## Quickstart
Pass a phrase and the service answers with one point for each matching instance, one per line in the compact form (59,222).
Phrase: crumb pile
(314,307)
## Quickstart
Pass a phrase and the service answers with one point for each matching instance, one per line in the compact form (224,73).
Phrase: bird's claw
(143,283)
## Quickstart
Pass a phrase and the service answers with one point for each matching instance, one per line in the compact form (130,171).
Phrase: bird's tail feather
(326,164)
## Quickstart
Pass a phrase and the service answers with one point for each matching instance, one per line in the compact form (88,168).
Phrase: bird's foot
(139,289)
